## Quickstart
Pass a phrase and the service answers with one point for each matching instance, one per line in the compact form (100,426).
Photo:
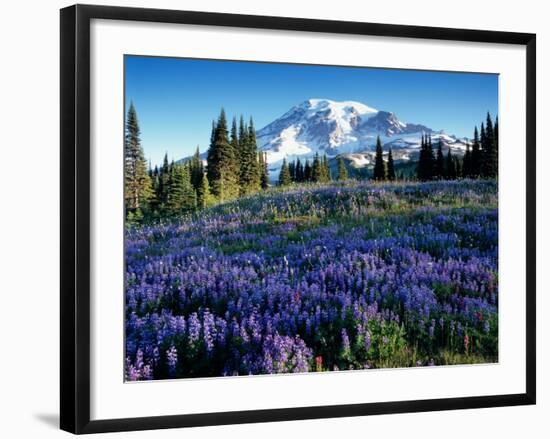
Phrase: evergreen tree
(475,164)
(189,200)
(426,161)
(250,174)
(264,171)
(299,171)
(421,167)
(234,141)
(316,169)
(197,169)
(325,170)
(164,178)
(138,189)
(181,195)
(220,163)
(253,151)
(489,163)
(458,167)
(379,172)
(308,171)
(242,155)
(204,195)
(391,166)
(154,175)
(342,170)
(284,175)
(430,166)
(450,166)
(292,170)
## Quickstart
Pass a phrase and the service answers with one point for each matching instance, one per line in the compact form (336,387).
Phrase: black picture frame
(75,217)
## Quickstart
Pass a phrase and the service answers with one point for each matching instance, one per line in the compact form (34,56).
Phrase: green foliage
(182,197)
(204,195)
(342,170)
(250,172)
(316,169)
(264,171)
(476,159)
(235,168)
(138,188)
(284,174)
(426,160)
(221,163)
(391,166)
(489,161)
(308,171)
(379,172)
(300,172)
(197,170)
(450,166)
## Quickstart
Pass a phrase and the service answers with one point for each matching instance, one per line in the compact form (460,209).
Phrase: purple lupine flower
(194,327)
(345,340)
(172,360)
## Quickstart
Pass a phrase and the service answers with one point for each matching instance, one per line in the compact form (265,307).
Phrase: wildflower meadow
(316,277)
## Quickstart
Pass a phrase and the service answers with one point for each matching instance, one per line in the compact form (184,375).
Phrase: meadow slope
(351,275)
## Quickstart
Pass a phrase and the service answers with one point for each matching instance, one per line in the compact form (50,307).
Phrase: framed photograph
(268,219)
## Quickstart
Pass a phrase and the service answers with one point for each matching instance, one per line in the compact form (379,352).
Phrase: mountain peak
(325,126)
(320,104)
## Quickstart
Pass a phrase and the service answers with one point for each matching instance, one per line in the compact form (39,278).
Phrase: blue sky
(176,98)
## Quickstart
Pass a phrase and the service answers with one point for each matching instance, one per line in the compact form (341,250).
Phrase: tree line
(480,160)
(234,168)
(317,170)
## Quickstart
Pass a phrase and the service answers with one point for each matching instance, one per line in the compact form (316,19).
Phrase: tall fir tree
(138,188)
(325,170)
(249,176)
(292,170)
(316,169)
(197,169)
(253,151)
(284,175)
(430,167)
(476,161)
(264,170)
(489,163)
(421,166)
(379,172)
(234,141)
(308,171)
(299,171)
(426,160)
(204,195)
(164,178)
(458,166)
(342,170)
(391,166)
(181,195)
(220,163)
(450,166)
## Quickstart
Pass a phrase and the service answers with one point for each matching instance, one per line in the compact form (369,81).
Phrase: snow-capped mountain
(348,128)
